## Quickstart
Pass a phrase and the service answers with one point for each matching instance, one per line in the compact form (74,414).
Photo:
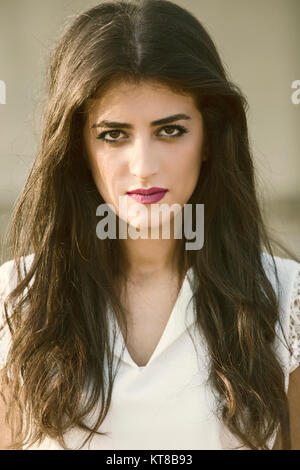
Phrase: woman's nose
(143,161)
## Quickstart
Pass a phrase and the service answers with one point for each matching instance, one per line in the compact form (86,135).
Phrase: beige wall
(259,42)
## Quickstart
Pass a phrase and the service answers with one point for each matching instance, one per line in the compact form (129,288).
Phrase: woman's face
(130,150)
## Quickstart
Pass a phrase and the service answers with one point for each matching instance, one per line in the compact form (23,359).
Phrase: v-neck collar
(181,317)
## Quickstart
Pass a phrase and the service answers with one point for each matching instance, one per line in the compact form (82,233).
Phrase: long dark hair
(59,319)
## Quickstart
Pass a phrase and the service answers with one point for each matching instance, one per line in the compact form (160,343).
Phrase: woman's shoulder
(283,273)
(8,281)
(9,275)
(283,265)
(288,291)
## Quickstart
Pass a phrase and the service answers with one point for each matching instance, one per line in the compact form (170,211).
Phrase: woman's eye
(113,133)
(181,129)
(169,132)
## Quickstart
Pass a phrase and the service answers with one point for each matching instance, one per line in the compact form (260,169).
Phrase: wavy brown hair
(58,311)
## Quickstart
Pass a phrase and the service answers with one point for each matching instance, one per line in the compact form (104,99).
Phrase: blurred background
(258,41)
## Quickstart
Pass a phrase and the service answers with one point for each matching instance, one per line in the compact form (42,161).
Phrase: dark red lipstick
(147,196)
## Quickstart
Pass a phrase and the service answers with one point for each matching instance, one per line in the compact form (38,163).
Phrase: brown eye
(114,134)
(169,131)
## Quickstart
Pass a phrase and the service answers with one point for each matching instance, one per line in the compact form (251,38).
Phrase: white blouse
(168,404)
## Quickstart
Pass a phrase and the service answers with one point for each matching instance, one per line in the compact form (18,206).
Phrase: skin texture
(145,156)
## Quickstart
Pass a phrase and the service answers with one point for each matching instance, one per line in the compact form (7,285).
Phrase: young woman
(141,343)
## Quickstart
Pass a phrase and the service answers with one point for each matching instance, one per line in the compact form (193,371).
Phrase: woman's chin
(153,231)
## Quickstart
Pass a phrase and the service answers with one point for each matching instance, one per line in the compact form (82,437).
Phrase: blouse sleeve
(7,281)
(294,329)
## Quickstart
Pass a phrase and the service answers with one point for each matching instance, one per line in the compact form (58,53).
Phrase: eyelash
(182,130)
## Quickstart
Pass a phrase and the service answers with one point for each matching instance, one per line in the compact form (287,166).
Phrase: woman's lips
(148,199)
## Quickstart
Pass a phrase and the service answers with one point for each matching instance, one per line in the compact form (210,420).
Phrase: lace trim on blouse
(294,330)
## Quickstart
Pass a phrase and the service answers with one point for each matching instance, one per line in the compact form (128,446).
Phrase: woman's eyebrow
(166,120)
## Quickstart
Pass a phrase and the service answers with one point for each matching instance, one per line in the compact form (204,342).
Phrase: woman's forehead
(118,91)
